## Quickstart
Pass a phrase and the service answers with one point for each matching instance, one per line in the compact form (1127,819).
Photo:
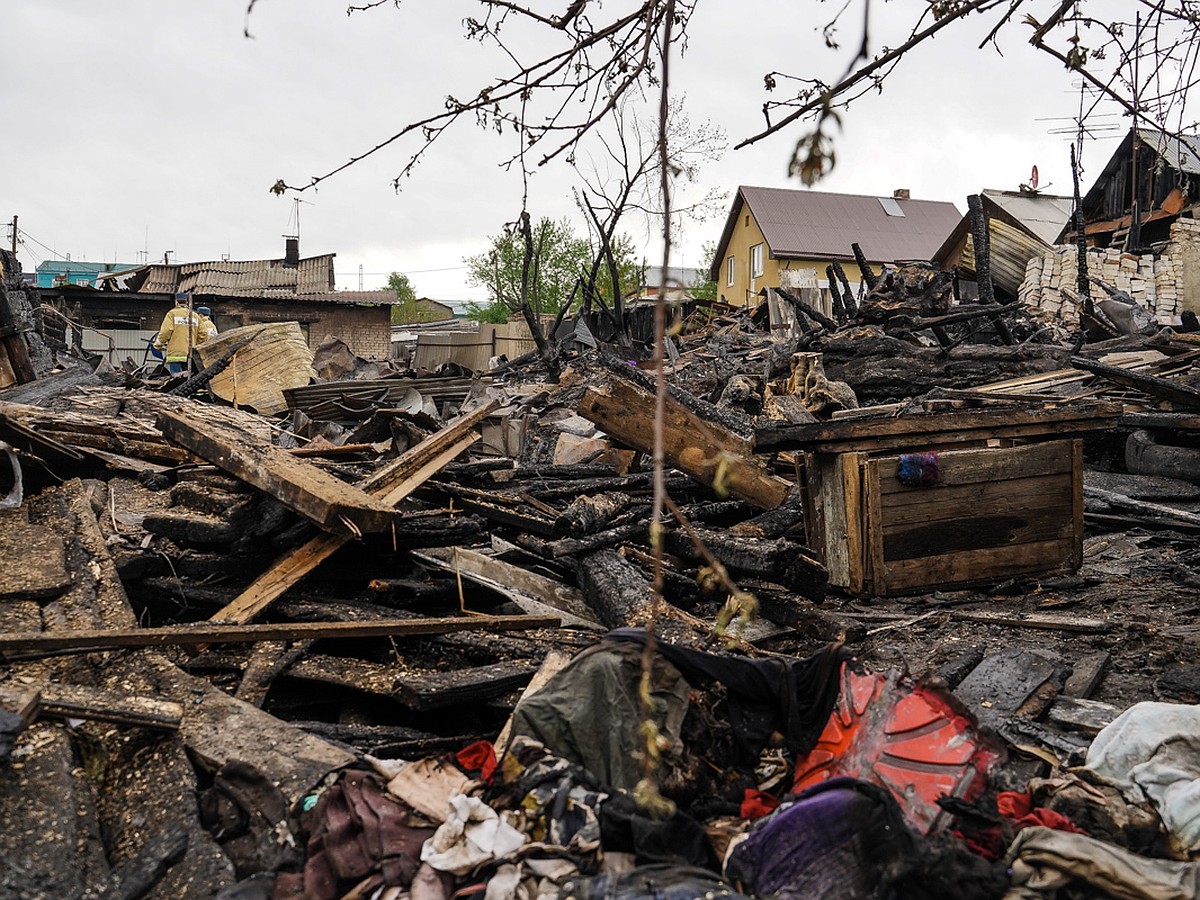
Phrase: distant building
(1021,225)
(777,237)
(57,272)
(675,286)
(240,293)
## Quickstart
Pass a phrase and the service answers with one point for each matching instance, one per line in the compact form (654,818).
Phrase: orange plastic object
(917,741)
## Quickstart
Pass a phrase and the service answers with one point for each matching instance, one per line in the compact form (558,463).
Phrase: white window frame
(730,271)
(757,255)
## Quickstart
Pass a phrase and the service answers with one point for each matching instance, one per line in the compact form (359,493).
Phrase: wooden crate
(996,512)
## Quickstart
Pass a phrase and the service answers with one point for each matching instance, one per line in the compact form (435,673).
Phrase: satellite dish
(1033,179)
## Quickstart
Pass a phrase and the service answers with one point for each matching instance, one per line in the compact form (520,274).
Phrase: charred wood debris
(211,616)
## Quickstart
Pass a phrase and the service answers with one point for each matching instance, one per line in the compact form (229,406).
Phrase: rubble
(397,633)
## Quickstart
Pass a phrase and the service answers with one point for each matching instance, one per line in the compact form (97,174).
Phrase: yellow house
(777,237)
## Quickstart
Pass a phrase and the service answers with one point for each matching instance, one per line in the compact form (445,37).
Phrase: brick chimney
(901,194)
(291,252)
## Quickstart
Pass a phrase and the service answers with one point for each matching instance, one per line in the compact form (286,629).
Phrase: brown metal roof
(811,224)
(266,278)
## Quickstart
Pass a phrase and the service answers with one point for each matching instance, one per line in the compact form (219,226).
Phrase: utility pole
(14,236)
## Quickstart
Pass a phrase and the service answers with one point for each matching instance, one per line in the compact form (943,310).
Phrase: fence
(117,344)
(472,349)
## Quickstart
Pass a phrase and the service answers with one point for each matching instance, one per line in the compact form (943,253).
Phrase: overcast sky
(134,127)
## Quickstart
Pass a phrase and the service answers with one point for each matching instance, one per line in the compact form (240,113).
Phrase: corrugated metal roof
(1181,155)
(267,278)
(1043,215)
(811,224)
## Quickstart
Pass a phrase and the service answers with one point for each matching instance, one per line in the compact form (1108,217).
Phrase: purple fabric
(812,848)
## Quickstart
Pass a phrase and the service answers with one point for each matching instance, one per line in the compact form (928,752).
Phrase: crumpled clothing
(1100,808)
(1018,806)
(473,834)
(756,804)
(427,786)
(358,835)
(793,697)
(661,882)
(555,802)
(478,757)
(529,879)
(678,839)
(847,838)
(1152,750)
(1043,861)
(589,711)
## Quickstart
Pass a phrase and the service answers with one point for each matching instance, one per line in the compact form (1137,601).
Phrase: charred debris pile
(921,566)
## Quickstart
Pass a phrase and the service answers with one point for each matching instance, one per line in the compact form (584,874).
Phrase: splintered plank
(535,594)
(34,557)
(299,485)
(391,484)
(711,454)
(27,644)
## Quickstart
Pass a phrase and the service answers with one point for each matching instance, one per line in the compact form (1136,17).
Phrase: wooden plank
(1028,495)
(1076,505)
(851,466)
(988,465)
(1087,716)
(1040,621)
(75,701)
(876,571)
(1164,388)
(704,450)
(978,565)
(934,428)
(289,569)
(14,643)
(983,532)
(436,690)
(1086,673)
(535,594)
(301,486)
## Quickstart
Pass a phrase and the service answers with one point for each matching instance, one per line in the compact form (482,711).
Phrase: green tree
(704,288)
(560,259)
(407,309)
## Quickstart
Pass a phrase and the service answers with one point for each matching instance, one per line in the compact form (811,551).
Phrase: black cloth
(661,882)
(792,696)
(679,840)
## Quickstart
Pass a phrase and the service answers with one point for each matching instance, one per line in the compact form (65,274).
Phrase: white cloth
(472,834)
(1152,751)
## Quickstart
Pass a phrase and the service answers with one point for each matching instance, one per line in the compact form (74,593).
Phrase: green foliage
(493,313)
(704,288)
(408,310)
(560,259)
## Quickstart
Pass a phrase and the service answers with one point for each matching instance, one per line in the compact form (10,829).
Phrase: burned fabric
(662,882)
(678,840)
(846,838)
(792,697)
(357,834)
(558,803)
(1152,750)
(589,712)
(1044,861)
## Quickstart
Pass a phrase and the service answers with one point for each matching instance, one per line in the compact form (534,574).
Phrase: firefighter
(182,329)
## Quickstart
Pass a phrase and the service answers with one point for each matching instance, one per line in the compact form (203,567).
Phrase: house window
(756,261)
(730,269)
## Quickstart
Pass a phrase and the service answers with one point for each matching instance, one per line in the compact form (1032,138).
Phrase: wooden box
(994,512)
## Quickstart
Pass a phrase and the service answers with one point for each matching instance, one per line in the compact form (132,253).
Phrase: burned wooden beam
(782,561)
(301,486)
(703,449)
(436,690)
(868,275)
(29,644)
(848,300)
(76,701)
(1164,388)
(392,484)
(983,248)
